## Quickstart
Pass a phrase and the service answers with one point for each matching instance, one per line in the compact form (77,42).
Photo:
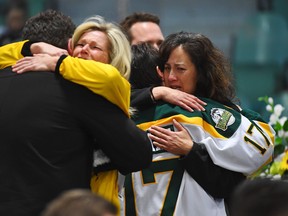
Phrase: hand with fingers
(179,98)
(177,142)
(38,62)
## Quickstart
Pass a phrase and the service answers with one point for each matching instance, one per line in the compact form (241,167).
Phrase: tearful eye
(167,68)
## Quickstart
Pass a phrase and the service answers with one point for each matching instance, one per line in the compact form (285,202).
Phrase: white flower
(273,119)
(285,134)
(269,108)
(282,120)
(281,133)
(277,177)
(262,175)
(278,108)
(270,100)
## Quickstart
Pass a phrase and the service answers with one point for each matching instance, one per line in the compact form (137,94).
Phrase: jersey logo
(222,118)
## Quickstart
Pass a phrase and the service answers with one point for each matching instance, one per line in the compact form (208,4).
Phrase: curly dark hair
(215,79)
(49,26)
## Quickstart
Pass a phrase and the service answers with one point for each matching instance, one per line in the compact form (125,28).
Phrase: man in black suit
(49,128)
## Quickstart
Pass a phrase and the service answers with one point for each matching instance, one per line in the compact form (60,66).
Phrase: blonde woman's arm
(11,53)
(102,79)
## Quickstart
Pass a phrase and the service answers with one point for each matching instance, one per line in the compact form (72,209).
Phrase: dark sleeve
(127,146)
(26,49)
(141,98)
(215,180)
(60,60)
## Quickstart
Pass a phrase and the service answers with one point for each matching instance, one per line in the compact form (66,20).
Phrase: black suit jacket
(49,128)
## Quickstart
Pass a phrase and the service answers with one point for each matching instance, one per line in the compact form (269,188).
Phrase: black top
(49,128)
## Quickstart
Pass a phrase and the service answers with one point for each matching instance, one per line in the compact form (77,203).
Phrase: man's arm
(127,146)
(215,180)
(142,98)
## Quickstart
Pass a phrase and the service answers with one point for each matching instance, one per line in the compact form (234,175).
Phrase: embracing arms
(92,74)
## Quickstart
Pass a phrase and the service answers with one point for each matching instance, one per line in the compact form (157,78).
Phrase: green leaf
(285,126)
(278,141)
(278,126)
(278,149)
(285,141)
(264,98)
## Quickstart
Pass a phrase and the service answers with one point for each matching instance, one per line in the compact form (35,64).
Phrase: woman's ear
(160,73)
(70,49)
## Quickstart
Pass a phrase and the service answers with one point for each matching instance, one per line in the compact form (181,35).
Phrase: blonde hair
(119,47)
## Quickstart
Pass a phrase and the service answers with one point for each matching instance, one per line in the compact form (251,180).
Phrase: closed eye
(79,45)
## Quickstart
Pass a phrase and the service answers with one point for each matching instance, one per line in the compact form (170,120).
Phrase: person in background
(16,16)
(143,27)
(79,202)
(260,197)
(198,157)
(50,128)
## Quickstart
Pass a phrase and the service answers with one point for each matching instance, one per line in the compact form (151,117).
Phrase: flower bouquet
(278,168)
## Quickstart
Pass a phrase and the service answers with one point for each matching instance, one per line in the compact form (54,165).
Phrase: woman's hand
(39,62)
(177,142)
(179,98)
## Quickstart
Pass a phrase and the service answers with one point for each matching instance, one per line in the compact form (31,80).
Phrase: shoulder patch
(222,118)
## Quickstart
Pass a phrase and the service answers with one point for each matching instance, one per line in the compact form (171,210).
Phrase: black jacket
(49,128)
